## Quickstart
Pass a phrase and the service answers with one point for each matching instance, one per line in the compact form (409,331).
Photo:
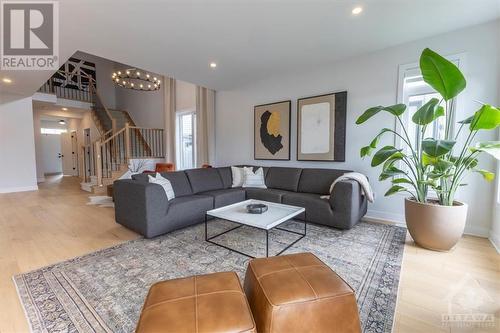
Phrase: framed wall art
(321,127)
(272,131)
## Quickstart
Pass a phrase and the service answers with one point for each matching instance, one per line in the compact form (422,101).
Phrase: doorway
(69,153)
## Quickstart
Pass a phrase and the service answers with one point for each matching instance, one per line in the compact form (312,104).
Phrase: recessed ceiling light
(357,10)
(62,122)
(64,109)
(213,65)
(6,80)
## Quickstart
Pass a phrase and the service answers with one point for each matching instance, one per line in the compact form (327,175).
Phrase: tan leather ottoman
(299,293)
(205,303)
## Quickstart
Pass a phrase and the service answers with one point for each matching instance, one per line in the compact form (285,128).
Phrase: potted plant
(432,163)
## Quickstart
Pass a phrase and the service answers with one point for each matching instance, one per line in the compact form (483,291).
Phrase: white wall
(145,107)
(17,146)
(370,80)
(185,96)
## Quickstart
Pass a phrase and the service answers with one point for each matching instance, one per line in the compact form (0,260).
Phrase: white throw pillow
(165,183)
(254,179)
(238,176)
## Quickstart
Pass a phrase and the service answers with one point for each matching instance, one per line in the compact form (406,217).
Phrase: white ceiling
(249,39)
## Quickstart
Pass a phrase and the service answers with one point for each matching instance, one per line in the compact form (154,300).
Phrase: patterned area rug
(104,291)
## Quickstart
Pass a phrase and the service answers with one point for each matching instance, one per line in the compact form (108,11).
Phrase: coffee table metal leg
(267,243)
(206,228)
(209,239)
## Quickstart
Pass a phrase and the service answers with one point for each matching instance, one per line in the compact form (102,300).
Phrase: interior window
(185,142)
(56,131)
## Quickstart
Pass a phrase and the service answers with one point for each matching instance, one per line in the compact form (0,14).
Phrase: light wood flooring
(53,224)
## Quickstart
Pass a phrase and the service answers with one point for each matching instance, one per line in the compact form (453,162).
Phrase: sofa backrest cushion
(178,179)
(205,179)
(226,176)
(318,180)
(283,178)
(255,167)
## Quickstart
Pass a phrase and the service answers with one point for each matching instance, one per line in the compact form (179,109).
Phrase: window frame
(412,70)
(178,136)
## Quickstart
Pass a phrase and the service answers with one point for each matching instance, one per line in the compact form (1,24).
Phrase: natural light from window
(56,131)
(185,140)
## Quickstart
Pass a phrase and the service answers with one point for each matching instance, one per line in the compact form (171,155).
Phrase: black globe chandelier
(136,80)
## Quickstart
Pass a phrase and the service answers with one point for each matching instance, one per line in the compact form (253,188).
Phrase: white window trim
(178,134)
(413,69)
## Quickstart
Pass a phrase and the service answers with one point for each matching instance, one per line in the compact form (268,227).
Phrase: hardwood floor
(53,224)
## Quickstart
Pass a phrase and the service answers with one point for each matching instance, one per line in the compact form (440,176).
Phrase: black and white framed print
(321,127)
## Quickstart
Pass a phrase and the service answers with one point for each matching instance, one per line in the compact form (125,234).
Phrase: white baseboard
(40,179)
(18,189)
(384,217)
(495,241)
(399,220)
(477,231)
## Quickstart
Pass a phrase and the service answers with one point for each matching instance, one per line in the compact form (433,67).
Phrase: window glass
(186,131)
(56,131)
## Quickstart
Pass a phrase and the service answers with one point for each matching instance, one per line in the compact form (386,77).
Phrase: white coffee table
(275,215)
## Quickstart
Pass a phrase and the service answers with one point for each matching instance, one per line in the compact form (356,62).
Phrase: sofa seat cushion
(206,179)
(226,197)
(188,210)
(317,210)
(264,194)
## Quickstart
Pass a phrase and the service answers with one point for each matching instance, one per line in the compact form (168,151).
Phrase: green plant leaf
(401,181)
(488,147)
(466,120)
(396,110)
(488,175)
(436,148)
(375,140)
(428,160)
(383,154)
(394,189)
(428,112)
(487,117)
(443,165)
(441,74)
(365,151)
(389,172)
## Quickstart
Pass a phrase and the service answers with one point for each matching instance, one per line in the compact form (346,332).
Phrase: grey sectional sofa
(143,207)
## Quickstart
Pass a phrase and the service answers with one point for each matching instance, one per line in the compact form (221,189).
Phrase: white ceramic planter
(433,226)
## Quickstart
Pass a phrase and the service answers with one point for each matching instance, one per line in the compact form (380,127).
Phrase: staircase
(107,158)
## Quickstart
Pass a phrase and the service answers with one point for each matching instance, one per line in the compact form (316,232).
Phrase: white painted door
(69,154)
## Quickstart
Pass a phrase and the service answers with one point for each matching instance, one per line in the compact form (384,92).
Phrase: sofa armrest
(139,205)
(347,203)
